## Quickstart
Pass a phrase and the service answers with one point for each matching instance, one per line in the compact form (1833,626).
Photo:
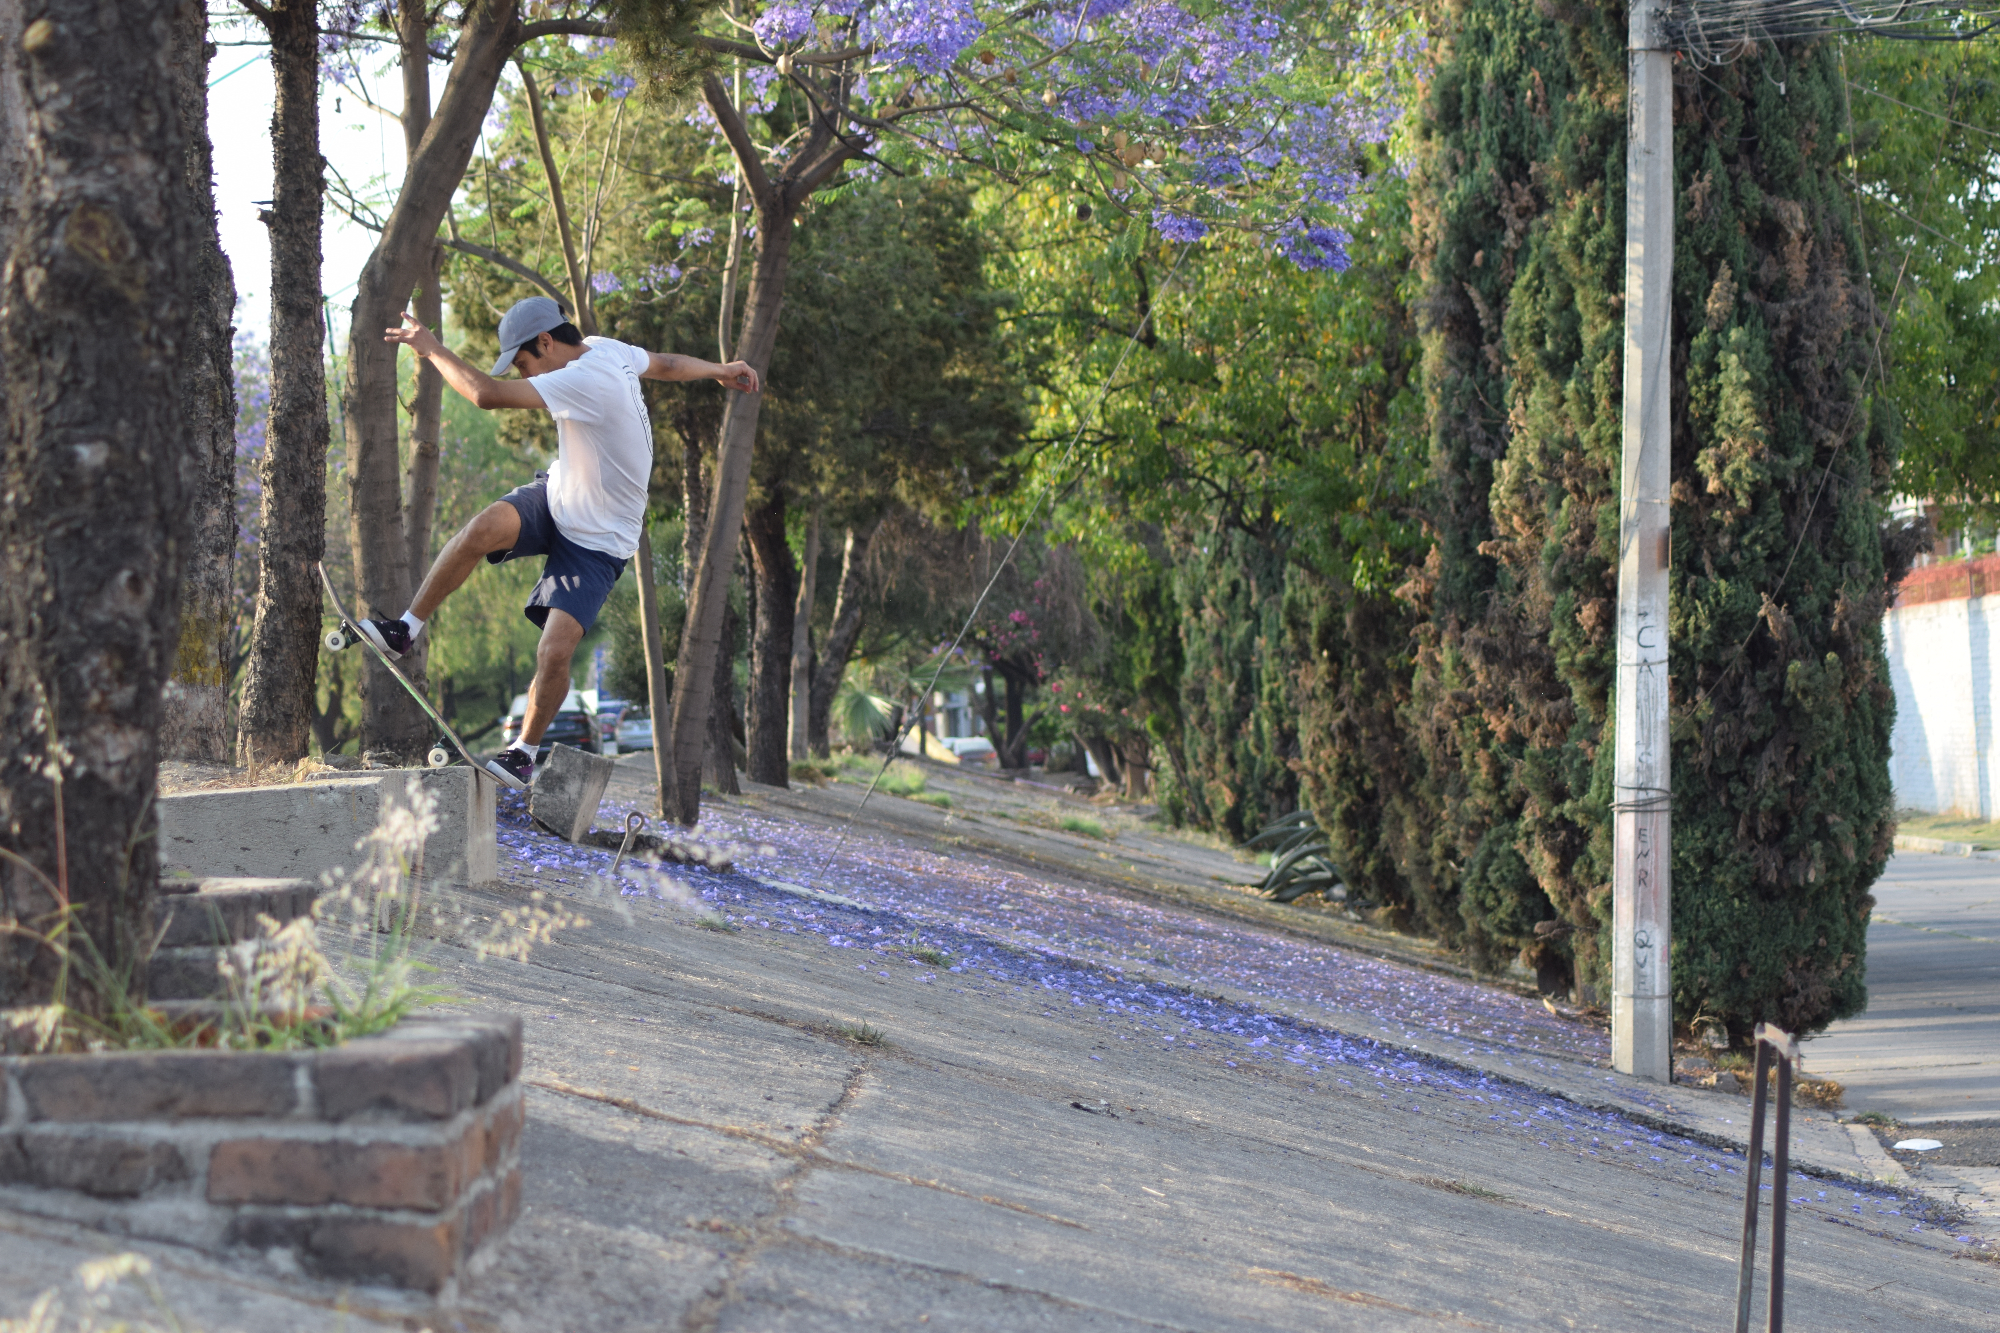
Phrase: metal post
(1781,1186)
(1753,1166)
(1641,995)
(1775,1046)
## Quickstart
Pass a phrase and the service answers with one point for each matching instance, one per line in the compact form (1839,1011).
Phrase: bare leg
(561,633)
(494,528)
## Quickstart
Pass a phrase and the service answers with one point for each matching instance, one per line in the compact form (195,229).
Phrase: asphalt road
(1928,1048)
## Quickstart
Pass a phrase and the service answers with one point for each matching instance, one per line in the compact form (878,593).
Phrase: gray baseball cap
(525,321)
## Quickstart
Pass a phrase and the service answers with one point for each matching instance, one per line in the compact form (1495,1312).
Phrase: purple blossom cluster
(1085,957)
(1312,248)
(1197,104)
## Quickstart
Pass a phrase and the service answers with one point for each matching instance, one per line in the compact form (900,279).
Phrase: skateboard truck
(1773,1044)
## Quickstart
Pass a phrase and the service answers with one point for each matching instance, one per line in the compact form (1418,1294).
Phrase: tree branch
(528,32)
(733,129)
(508,262)
(821,171)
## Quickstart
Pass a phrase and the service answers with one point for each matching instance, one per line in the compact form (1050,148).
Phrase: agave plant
(1301,858)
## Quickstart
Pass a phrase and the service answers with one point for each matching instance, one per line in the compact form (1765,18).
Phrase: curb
(1909,842)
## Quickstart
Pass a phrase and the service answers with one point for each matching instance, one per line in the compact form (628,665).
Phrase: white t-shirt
(604,446)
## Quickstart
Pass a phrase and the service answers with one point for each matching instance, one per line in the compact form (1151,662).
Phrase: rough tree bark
(800,717)
(778,203)
(840,639)
(718,756)
(93,499)
(768,757)
(274,725)
(420,479)
(195,722)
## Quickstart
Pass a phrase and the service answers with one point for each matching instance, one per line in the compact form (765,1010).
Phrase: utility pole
(1641,989)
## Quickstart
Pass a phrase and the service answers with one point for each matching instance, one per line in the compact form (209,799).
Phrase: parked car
(609,714)
(972,750)
(635,729)
(575,723)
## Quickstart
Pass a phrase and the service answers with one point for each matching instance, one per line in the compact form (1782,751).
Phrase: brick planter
(393,1160)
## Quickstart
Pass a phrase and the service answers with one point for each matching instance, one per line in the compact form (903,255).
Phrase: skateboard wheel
(335,641)
(439,756)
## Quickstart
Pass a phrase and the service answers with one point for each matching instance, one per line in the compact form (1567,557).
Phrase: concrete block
(224,911)
(301,830)
(566,791)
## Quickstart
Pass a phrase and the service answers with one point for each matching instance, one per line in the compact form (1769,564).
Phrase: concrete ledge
(302,830)
(392,1160)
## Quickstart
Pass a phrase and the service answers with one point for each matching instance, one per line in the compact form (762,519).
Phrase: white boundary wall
(1941,662)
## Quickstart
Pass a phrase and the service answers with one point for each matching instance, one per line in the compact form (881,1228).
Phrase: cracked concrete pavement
(1046,1141)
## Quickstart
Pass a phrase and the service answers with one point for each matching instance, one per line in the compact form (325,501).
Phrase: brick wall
(392,1160)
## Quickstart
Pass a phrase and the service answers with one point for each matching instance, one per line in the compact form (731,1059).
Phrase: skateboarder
(583,514)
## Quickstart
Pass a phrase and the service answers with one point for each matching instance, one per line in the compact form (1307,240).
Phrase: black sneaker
(514,767)
(391,636)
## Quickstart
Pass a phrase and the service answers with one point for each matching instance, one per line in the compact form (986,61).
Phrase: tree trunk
(840,639)
(718,755)
(725,725)
(1137,759)
(799,718)
(93,481)
(1103,752)
(275,723)
(989,708)
(427,407)
(379,526)
(701,638)
(195,722)
(769,758)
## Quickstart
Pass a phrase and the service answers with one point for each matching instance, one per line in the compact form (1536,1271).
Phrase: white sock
(523,746)
(416,626)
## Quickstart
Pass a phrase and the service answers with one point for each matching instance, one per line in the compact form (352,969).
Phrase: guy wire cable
(1034,511)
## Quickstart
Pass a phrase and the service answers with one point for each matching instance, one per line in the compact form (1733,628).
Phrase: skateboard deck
(339,640)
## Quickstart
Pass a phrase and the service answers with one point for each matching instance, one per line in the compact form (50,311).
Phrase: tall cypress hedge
(1520,246)
(1782,811)
(1239,730)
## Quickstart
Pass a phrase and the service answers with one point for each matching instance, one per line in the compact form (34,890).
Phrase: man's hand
(736,375)
(416,337)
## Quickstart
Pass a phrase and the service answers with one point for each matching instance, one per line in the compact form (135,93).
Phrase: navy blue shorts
(575,578)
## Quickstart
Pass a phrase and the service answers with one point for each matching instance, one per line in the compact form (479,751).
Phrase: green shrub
(1779,689)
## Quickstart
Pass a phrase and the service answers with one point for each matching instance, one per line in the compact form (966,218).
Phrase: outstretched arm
(474,384)
(672,366)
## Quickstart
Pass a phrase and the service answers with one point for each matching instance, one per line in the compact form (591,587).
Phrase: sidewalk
(1074,1104)
(1928,1047)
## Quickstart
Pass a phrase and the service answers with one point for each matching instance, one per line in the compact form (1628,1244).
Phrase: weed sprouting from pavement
(1089,828)
(861,1034)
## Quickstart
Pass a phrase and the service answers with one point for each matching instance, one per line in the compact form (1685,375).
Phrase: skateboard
(339,640)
